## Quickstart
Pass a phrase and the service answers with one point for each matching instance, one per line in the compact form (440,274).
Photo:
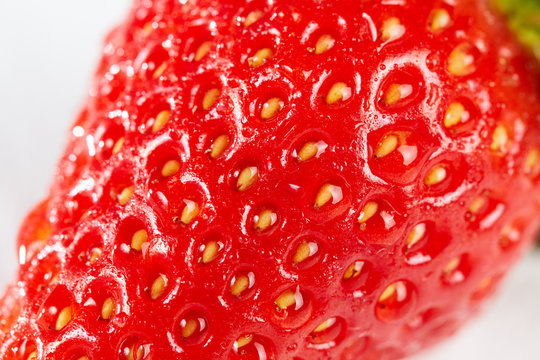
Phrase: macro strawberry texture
(276,180)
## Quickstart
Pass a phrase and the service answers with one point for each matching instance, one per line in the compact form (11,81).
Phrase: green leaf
(524,19)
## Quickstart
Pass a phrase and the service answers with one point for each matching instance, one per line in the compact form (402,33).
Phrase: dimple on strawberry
(276,180)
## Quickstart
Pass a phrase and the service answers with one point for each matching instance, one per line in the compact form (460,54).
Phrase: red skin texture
(82,211)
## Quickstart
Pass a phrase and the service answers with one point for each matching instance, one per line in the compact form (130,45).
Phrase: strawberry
(283,180)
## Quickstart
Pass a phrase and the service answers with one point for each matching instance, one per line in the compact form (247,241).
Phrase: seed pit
(264,220)
(456,271)
(396,301)
(209,251)
(242,283)
(328,194)
(292,308)
(192,327)
(58,310)
(339,92)
(304,251)
(423,243)
(328,333)
(377,216)
(134,348)
(252,346)
(368,211)
(402,88)
(360,278)
(246,178)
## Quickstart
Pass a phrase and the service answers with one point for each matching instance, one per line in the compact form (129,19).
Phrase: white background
(48,51)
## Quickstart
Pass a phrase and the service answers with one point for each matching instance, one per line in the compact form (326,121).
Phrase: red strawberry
(282,180)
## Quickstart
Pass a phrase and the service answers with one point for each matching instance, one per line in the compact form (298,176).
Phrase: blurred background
(48,51)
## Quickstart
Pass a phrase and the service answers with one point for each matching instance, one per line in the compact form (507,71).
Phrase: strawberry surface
(282,180)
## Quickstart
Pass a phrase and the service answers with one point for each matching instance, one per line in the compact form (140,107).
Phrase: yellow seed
(83,358)
(460,61)
(189,327)
(286,299)
(108,308)
(147,28)
(271,108)
(32,356)
(389,292)
(338,92)
(190,212)
(118,146)
(125,195)
(138,239)
(416,234)
(388,144)
(307,151)
(170,168)
(354,270)
(241,284)
(265,219)
(95,254)
(203,50)
(210,98)
(327,193)
(210,252)
(253,17)
(63,318)
(369,210)
(435,176)
(392,94)
(325,43)
(260,57)
(392,29)
(219,145)
(247,178)
(440,19)
(243,341)
(325,325)
(452,265)
(161,120)
(303,251)
(158,287)
(500,140)
(532,160)
(484,284)
(455,114)
(160,70)
(477,204)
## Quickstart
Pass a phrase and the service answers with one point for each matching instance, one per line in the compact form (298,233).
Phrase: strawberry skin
(282,180)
